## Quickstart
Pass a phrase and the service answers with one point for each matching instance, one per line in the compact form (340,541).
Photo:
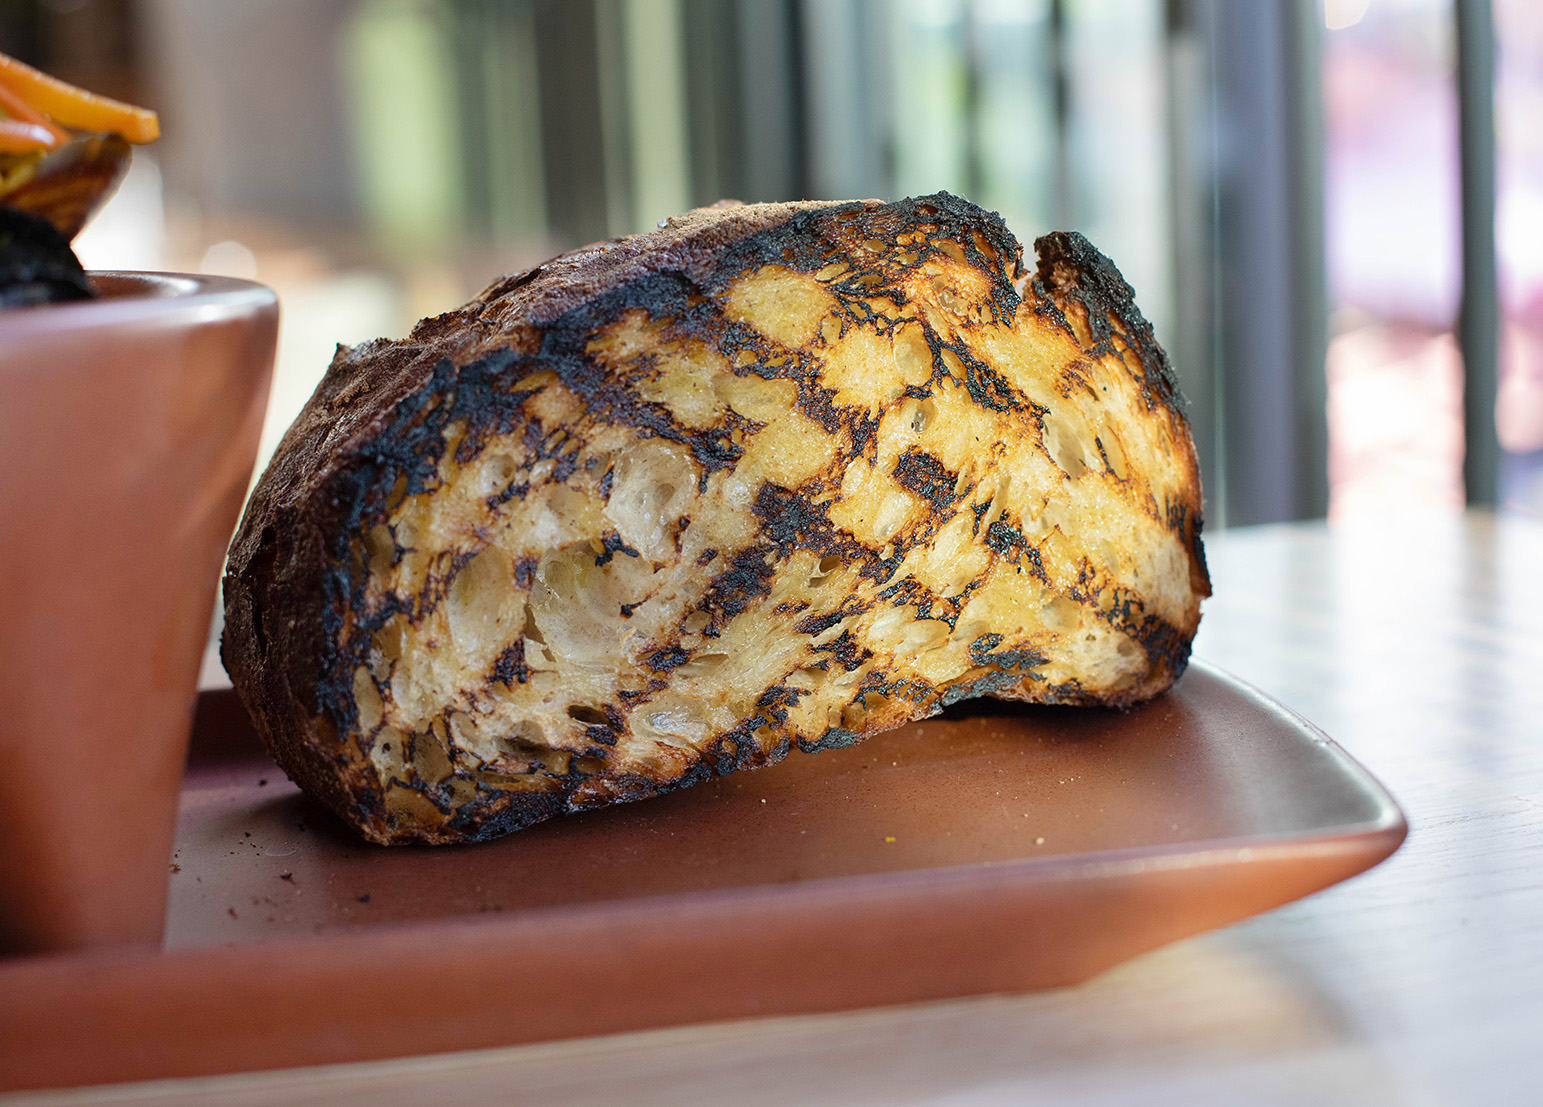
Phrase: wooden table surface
(1419,646)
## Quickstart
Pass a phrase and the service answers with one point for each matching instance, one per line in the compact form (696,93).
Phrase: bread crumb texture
(664,508)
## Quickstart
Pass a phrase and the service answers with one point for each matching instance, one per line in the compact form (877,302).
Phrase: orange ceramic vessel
(128,429)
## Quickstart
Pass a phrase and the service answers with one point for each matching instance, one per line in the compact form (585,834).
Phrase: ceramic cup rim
(133,298)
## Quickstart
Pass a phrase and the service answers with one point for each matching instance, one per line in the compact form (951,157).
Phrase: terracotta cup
(128,429)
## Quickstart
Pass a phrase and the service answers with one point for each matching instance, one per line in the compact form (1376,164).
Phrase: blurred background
(1331,210)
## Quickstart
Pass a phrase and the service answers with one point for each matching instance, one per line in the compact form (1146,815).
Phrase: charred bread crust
(300,610)
(1071,271)
(1073,278)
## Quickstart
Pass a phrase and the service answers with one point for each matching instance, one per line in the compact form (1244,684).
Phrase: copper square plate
(995,848)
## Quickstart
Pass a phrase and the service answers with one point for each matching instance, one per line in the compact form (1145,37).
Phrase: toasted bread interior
(820,491)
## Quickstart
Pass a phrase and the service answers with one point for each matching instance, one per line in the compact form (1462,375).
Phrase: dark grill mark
(927,477)
(747,578)
(788,520)
(818,624)
(1005,538)
(611,545)
(510,666)
(661,661)
(983,651)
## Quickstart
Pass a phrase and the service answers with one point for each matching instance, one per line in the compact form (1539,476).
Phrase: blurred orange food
(62,149)
(38,107)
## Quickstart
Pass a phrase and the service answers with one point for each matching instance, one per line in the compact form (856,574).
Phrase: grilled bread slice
(667,506)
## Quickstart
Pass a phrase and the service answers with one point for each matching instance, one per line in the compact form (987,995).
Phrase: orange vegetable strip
(19,109)
(75,107)
(17,137)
